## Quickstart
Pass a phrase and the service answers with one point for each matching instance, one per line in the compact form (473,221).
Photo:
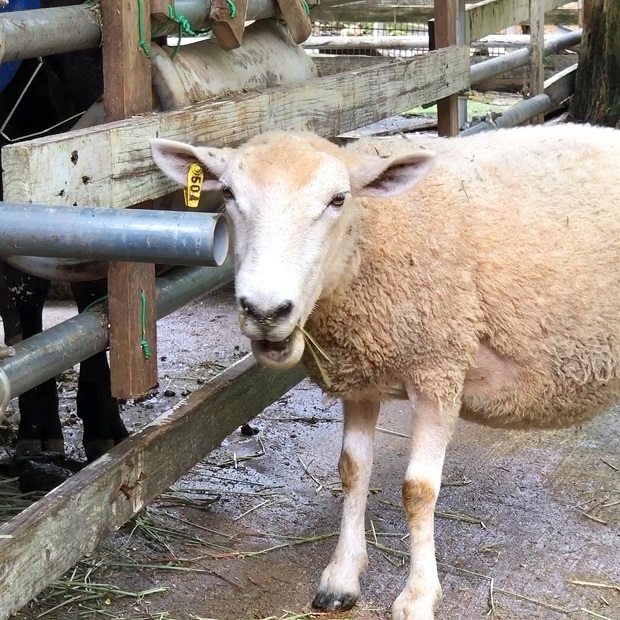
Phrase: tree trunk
(597,91)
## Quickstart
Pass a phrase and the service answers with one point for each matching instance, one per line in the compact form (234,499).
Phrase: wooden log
(127,91)
(296,14)
(228,22)
(47,538)
(329,106)
(446,35)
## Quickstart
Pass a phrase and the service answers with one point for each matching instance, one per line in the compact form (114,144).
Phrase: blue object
(9,69)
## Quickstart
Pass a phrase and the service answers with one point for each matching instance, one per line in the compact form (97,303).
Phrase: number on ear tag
(195,177)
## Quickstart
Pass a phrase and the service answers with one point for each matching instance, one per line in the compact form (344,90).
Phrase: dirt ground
(246,533)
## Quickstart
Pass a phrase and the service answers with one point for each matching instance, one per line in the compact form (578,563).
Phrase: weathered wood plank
(413,13)
(227,26)
(297,17)
(116,157)
(126,67)
(133,332)
(330,64)
(44,540)
(446,35)
(491,16)
(127,91)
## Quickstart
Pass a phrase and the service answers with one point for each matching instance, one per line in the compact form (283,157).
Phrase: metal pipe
(513,60)
(135,235)
(49,353)
(41,32)
(514,115)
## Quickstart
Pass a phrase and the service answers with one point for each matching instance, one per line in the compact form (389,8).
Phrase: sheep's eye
(228,195)
(338,200)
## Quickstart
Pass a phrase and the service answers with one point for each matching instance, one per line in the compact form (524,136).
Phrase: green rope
(94,303)
(233,8)
(305,5)
(184,25)
(142,43)
(146,349)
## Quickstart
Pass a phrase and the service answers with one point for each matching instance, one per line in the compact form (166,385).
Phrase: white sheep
(490,291)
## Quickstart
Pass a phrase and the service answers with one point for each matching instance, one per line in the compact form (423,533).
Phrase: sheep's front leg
(339,587)
(432,427)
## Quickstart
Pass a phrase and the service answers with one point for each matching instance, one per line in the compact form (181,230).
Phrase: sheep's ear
(175,158)
(381,176)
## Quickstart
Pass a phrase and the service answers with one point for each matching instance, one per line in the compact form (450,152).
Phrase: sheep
(476,277)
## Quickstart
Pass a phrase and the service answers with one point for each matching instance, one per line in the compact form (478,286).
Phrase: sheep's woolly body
(492,288)
(495,280)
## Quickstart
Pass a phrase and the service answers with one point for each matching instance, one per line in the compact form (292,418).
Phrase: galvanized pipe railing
(41,32)
(496,66)
(49,353)
(135,235)
(515,115)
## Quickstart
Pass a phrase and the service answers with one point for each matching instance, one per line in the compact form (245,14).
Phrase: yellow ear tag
(195,177)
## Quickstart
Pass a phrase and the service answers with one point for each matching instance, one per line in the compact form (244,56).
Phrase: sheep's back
(514,241)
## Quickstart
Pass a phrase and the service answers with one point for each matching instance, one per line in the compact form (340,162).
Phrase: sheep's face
(289,198)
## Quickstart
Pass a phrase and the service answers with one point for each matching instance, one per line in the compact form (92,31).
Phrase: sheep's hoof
(330,601)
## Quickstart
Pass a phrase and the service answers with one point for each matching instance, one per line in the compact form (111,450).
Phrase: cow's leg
(433,422)
(8,310)
(39,426)
(103,426)
(339,587)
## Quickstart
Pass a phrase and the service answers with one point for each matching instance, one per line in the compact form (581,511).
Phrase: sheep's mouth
(280,354)
(278,346)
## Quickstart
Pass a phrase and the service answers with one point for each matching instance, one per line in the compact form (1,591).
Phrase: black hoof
(47,449)
(27,448)
(57,446)
(96,448)
(326,601)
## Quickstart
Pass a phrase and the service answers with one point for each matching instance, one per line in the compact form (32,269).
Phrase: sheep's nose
(266,315)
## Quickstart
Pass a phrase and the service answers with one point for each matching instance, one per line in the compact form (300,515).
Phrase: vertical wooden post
(131,287)
(445,35)
(461,39)
(536,78)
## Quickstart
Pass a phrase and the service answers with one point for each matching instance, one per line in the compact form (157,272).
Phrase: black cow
(65,85)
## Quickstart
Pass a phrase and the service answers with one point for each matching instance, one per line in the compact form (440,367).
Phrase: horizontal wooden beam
(332,64)
(491,16)
(363,12)
(115,159)
(47,538)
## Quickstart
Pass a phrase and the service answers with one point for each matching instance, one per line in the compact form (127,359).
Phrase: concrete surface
(520,514)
